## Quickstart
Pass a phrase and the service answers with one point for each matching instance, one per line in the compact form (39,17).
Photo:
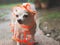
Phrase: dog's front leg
(16,33)
(12,23)
(18,43)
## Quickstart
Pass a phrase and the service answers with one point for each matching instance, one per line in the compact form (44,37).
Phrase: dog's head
(24,13)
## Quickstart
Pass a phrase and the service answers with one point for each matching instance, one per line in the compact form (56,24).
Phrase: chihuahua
(22,19)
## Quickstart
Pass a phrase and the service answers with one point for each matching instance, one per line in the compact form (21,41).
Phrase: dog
(22,19)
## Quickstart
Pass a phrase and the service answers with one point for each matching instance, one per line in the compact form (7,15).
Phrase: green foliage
(2,15)
(51,16)
(31,1)
(8,5)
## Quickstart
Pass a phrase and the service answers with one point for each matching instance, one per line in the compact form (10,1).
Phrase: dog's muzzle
(19,21)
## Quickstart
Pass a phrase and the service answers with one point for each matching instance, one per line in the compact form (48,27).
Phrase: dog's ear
(16,8)
(33,9)
(18,5)
(30,8)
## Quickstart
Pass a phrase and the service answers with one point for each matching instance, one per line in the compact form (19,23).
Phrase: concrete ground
(5,34)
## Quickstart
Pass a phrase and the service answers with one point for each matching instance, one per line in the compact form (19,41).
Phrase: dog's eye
(25,16)
(17,15)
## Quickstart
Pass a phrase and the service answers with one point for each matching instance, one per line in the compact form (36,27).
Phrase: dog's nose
(19,21)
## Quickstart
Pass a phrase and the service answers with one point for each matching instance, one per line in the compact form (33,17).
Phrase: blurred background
(48,14)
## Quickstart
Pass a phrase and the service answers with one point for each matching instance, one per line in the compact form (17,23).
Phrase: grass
(52,19)
(48,15)
(2,15)
(8,5)
(52,15)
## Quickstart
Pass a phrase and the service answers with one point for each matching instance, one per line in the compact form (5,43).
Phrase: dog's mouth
(20,22)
